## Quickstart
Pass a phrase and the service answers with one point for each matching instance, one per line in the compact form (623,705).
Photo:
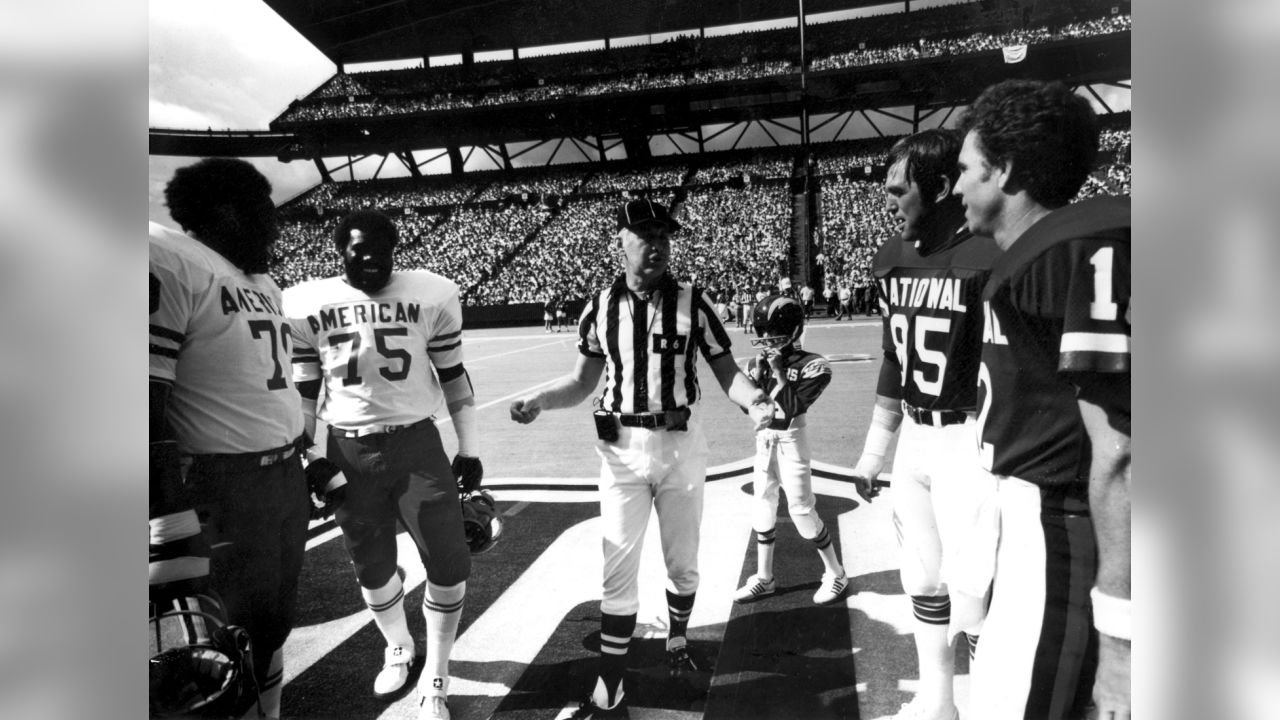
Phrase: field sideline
(530,626)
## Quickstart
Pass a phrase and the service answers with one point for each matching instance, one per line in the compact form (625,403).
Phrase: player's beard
(369,277)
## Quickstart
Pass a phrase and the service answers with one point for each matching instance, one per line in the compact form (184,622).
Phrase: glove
(468,472)
(328,487)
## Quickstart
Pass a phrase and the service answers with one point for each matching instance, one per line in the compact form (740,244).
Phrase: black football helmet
(778,321)
(208,678)
(481,521)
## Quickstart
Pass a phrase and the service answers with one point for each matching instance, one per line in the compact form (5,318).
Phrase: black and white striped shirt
(649,346)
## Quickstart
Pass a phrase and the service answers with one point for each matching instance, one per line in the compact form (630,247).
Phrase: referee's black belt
(669,418)
(935,418)
(366,430)
(244,462)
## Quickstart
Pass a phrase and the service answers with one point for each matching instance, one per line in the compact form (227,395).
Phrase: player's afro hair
(197,190)
(1048,132)
(368,222)
(930,155)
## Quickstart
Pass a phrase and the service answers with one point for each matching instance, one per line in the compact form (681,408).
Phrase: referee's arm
(736,385)
(564,392)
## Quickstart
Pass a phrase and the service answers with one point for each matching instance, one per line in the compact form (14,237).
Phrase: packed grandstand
(752,217)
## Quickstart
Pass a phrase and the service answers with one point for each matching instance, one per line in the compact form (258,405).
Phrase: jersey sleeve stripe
(443,348)
(1094,362)
(1095,342)
(445,336)
(165,333)
(164,351)
(301,359)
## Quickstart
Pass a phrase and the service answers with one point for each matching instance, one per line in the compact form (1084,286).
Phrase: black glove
(328,487)
(468,471)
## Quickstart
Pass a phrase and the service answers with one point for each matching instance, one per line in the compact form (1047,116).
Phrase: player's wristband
(1112,615)
(884,424)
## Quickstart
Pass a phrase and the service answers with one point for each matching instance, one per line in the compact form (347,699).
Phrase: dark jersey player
(794,378)
(1054,416)
(929,285)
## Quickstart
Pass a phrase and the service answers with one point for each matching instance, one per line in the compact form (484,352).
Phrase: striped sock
(823,539)
(679,608)
(932,610)
(615,639)
(387,605)
(442,607)
(767,537)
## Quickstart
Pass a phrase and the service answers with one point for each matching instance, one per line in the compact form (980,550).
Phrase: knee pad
(373,552)
(805,516)
(448,568)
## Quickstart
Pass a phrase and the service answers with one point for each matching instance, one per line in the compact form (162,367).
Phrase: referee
(644,334)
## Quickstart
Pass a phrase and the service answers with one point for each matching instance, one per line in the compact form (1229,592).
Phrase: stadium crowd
(687,61)
(975,43)
(493,236)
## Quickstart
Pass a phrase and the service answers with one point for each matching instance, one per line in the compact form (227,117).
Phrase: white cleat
(395,671)
(755,589)
(433,707)
(832,588)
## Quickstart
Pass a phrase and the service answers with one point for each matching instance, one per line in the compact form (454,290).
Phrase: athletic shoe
(395,671)
(433,707)
(832,588)
(915,710)
(755,589)
(680,660)
(591,708)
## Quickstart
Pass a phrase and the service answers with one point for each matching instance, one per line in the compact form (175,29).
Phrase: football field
(530,628)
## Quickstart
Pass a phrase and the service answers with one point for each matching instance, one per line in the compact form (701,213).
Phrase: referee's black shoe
(680,660)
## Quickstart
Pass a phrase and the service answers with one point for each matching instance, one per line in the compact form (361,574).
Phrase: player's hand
(762,412)
(327,485)
(525,411)
(864,476)
(1111,684)
(468,471)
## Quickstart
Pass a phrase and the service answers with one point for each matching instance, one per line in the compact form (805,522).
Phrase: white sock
(442,607)
(387,605)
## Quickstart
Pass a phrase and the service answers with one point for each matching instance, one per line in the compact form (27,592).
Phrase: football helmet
(480,521)
(209,678)
(778,321)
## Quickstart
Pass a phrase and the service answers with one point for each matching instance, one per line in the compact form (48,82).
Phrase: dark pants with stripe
(402,476)
(1039,650)
(255,519)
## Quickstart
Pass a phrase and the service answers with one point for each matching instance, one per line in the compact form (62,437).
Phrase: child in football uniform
(794,379)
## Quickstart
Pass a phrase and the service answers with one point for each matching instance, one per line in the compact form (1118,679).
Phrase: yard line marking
(513,352)
(512,396)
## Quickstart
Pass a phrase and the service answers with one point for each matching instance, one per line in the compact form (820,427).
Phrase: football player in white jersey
(365,344)
(226,420)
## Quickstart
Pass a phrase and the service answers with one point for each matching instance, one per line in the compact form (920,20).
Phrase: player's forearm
(1110,472)
(566,392)
(460,401)
(886,418)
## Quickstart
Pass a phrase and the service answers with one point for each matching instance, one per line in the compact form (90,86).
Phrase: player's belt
(373,429)
(671,418)
(935,418)
(242,462)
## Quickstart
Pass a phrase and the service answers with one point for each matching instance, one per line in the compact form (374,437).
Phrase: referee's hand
(525,411)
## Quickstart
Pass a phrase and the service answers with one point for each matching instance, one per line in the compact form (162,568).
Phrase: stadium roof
(355,31)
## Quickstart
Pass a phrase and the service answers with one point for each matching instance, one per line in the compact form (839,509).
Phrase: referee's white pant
(651,468)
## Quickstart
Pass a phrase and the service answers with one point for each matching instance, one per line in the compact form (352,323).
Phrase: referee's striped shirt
(649,347)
